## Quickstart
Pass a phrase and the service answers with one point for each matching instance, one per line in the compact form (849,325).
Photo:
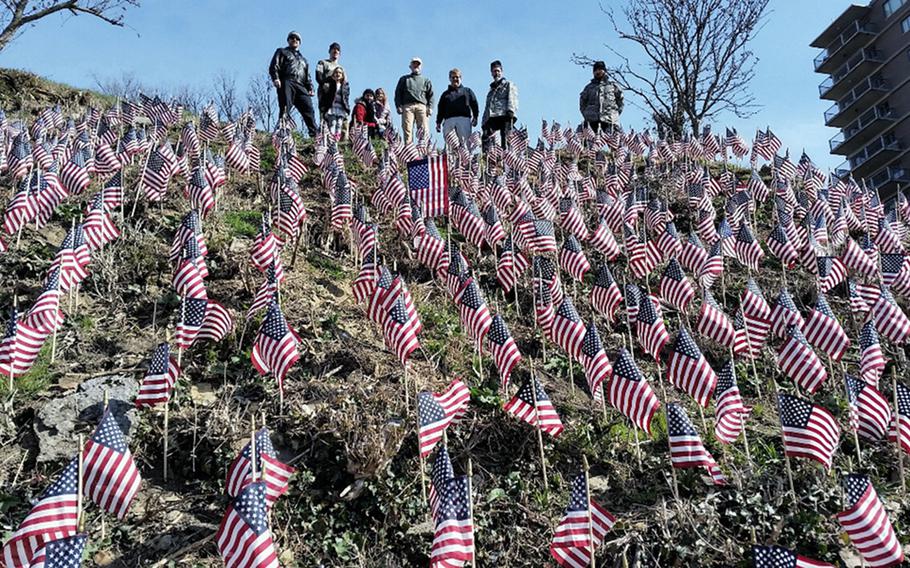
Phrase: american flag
(543,308)
(668,243)
(831,272)
(675,288)
(605,294)
(243,538)
(824,331)
(568,330)
(436,411)
(522,406)
(453,539)
(896,272)
(504,350)
(510,266)
(686,448)
(99,228)
(190,229)
(748,251)
(798,361)
(902,417)
(649,326)
(265,246)
(571,545)
(756,316)
(21,208)
(19,161)
(45,315)
(159,379)
(365,282)
(643,254)
(889,319)
(199,192)
(780,245)
(202,319)
(571,219)
(785,314)
(713,267)
(401,326)
(20,346)
(472,310)
(494,231)
(538,236)
(156,175)
(111,476)
(442,472)
(870,413)
(809,431)
(61,553)
(688,369)
(428,181)
(544,270)
(275,348)
(572,258)
(603,241)
(633,297)
(290,212)
(271,471)
(630,392)
(857,260)
(693,254)
(730,412)
(594,359)
(74,174)
(867,524)
(713,323)
(779,557)
(189,277)
(726,239)
(71,259)
(53,517)
(341,203)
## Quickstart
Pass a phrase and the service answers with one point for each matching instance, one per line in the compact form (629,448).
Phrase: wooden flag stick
(80,522)
(590,522)
(423,473)
(167,404)
(182,320)
(407,392)
(471,510)
(543,460)
(859,454)
(253,454)
(897,422)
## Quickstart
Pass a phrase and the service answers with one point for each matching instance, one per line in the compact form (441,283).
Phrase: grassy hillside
(346,426)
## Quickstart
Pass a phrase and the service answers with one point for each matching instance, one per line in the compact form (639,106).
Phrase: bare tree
(225,94)
(260,97)
(191,97)
(698,59)
(16,15)
(126,86)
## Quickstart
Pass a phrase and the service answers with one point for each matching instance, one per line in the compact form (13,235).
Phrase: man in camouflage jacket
(601,100)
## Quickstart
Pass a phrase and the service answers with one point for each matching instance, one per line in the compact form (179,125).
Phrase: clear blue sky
(174,43)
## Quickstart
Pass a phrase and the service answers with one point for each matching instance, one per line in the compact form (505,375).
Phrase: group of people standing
(600,102)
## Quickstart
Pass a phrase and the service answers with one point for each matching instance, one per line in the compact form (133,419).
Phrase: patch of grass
(36,380)
(243,223)
(327,265)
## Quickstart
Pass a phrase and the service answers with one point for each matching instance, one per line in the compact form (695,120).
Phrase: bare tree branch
(698,60)
(16,15)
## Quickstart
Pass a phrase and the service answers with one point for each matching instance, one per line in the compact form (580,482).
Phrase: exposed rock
(202,394)
(62,418)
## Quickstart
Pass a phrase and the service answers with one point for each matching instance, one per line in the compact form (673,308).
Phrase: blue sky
(172,43)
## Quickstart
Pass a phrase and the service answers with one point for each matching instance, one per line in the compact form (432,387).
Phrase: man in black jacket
(458,108)
(290,74)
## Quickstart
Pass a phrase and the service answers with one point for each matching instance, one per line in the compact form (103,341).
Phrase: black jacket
(457,102)
(327,96)
(290,66)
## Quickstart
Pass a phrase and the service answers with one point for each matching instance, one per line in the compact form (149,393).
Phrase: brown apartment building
(866,55)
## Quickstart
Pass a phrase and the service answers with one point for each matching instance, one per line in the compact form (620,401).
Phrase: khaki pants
(414,112)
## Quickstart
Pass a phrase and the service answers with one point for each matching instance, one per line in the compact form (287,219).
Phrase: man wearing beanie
(325,67)
(601,101)
(500,109)
(290,74)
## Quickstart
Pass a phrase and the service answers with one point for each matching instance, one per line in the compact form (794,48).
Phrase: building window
(891,6)
(905,24)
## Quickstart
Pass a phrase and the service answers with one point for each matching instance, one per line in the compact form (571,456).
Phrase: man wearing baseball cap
(290,74)
(601,101)
(414,100)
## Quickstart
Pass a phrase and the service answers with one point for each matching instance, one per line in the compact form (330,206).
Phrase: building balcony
(890,179)
(854,36)
(874,155)
(862,63)
(861,130)
(864,93)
